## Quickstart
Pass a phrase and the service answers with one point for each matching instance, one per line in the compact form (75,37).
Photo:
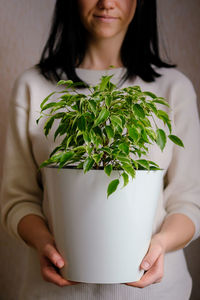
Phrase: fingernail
(60,263)
(145,265)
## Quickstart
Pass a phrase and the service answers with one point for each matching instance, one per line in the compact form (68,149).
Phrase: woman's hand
(176,231)
(50,263)
(34,231)
(152,263)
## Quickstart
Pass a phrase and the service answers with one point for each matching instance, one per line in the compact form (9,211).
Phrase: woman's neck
(101,54)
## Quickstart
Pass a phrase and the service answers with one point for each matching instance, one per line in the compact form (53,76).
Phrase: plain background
(24,27)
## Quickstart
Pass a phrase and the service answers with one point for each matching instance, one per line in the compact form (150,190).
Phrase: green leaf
(108,100)
(129,169)
(49,105)
(153,163)
(150,94)
(123,119)
(89,149)
(37,121)
(153,168)
(86,137)
(115,120)
(69,140)
(56,150)
(106,149)
(151,133)
(66,97)
(118,129)
(152,107)
(97,157)
(93,106)
(138,110)
(46,99)
(124,147)
(161,138)
(112,187)
(58,105)
(165,118)
(102,117)
(145,122)
(75,107)
(135,164)
(126,178)
(65,158)
(108,169)
(67,82)
(97,131)
(62,129)
(48,125)
(88,164)
(168,122)
(132,131)
(144,163)
(89,116)
(104,82)
(80,149)
(80,84)
(46,163)
(109,131)
(80,165)
(161,102)
(176,140)
(123,159)
(82,123)
(93,137)
(162,114)
(144,135)
(59,115)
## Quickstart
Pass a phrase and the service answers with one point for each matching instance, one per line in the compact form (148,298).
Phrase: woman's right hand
(34,231)
(50,263)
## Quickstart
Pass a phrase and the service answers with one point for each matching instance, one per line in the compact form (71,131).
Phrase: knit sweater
(23,193)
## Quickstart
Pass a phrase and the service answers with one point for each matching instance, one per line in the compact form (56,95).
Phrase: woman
(87,37)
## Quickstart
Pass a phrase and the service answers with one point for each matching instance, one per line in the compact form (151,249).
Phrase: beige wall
(24,26)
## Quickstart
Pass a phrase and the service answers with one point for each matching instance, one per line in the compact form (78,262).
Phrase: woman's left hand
(152,263)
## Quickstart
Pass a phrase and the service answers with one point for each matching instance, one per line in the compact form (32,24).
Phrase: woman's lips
(106,19)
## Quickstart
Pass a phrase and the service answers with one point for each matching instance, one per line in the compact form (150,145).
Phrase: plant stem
(154,121)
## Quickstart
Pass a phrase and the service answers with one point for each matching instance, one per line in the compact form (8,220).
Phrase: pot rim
(100,168)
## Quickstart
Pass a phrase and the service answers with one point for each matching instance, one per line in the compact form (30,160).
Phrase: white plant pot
(102,239)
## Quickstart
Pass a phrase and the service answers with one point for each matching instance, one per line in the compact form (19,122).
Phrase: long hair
(66,45)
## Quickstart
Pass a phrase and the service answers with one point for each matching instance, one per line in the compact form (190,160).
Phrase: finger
(50,274)
(54,256)
(153,275)
(151,257)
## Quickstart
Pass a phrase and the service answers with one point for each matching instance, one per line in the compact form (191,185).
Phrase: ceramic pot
(103,240)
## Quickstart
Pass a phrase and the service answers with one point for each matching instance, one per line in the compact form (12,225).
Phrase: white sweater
(27,147)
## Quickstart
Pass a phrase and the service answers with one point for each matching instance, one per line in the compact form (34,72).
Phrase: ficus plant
(108,128)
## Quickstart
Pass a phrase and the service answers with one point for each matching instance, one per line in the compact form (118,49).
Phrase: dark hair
(66,45)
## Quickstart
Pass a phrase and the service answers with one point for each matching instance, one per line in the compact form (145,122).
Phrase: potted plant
(103,231)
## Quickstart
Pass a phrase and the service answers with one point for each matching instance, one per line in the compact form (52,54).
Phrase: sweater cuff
(17,213)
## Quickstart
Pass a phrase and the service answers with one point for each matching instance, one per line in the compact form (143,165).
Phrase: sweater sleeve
(182,192)
(21,192)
